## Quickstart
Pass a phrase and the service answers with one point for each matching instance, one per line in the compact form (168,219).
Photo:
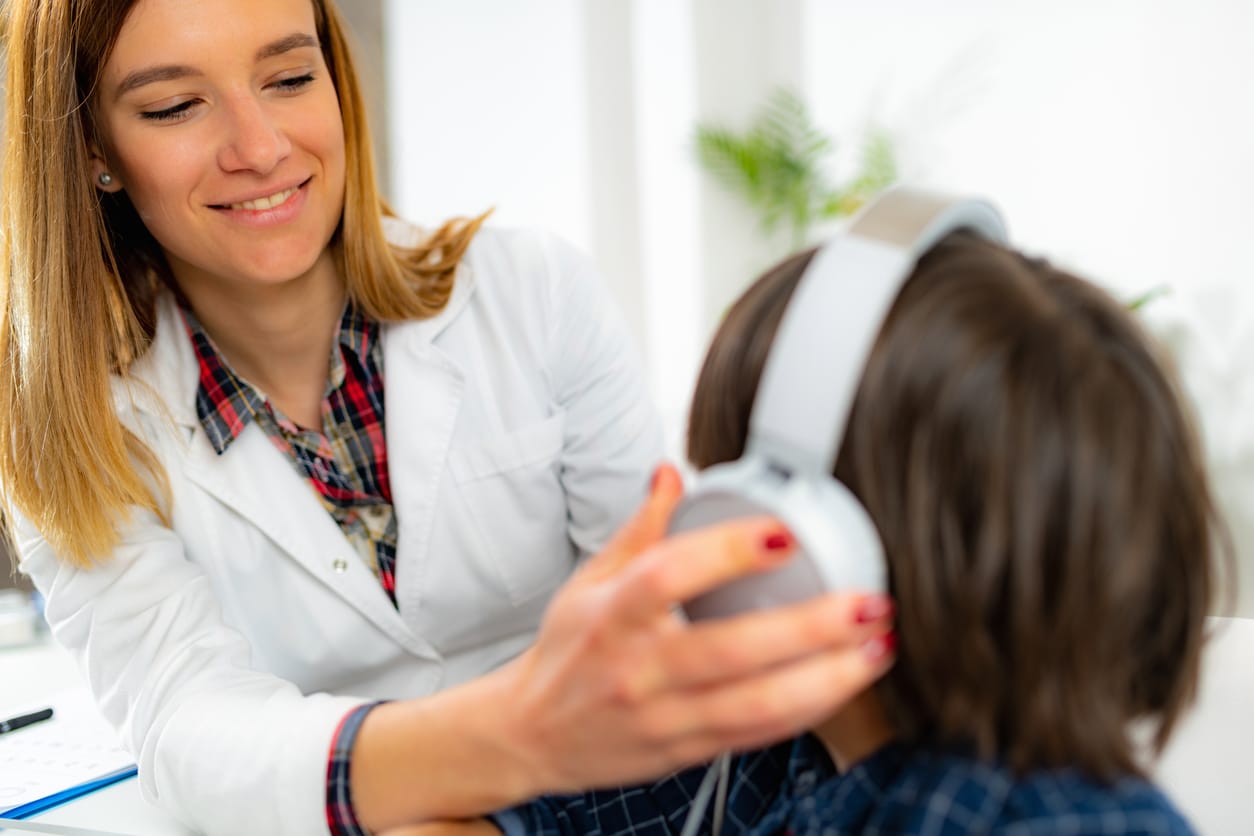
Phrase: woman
(237,525)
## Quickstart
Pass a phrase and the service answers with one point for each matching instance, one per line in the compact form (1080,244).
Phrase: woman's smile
(264,202)
(268,210)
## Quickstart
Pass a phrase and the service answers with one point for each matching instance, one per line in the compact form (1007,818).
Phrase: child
(1048,528)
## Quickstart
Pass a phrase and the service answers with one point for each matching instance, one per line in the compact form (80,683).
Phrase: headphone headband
(834,316)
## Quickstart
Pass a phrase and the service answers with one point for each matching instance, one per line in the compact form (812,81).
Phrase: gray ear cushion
(795,581)
(838,545)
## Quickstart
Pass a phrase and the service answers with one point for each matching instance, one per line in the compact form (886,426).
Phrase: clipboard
(49,763)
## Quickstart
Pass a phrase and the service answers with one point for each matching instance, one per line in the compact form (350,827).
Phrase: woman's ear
(103,177)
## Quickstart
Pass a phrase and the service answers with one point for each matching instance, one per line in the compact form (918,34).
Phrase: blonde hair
(82,275)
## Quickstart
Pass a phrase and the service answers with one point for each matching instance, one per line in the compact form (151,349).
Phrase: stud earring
(105,179)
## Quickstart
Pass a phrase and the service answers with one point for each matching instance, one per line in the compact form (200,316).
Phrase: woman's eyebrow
(148,75)
(297,40)
(169,72)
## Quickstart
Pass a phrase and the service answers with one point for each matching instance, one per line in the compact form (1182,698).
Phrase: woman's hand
(618,688)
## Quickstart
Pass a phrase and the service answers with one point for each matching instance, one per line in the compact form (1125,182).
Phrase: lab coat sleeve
(613,435)
(227,748)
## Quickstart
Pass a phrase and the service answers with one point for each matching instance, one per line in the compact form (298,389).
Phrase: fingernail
(873,608)
(778,543)
(656,478)
(880,647)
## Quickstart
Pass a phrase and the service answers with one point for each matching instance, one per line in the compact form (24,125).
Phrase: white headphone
(804,398)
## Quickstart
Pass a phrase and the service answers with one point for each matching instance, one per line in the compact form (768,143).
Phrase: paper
(55,760)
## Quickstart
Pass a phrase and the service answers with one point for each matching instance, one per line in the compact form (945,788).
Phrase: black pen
(15,723)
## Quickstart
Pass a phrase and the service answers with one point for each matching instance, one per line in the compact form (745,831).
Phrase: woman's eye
(178,111)
(168,113)
(294,83)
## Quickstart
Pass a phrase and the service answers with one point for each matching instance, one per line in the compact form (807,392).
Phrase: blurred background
(1116,136)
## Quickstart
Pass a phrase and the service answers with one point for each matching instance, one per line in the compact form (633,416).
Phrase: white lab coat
(227,648)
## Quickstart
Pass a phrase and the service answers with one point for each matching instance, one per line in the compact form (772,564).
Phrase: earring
(105,179)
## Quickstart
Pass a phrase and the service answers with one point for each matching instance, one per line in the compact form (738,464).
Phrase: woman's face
(220,121)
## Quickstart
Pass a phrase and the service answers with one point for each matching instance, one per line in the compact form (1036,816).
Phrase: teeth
(265,202)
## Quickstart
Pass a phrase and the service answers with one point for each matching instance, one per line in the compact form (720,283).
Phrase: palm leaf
(1148,296)
(729,159)
(777,166)
(877,171)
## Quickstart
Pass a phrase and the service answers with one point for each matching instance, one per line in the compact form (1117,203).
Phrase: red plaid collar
(226,403)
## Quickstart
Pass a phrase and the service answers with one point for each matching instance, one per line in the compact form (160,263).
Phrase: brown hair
(1040,493)
(82,273)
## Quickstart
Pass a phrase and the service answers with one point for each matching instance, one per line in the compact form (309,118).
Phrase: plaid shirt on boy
(345,461)
(792,789)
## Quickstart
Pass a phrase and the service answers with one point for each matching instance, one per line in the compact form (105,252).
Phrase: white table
(1205,769)
(33,672)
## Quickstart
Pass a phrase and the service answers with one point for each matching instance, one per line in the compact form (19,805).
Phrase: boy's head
(1039,492)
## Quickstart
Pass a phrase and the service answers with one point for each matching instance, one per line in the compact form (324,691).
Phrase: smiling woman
(249,541)
(237,168)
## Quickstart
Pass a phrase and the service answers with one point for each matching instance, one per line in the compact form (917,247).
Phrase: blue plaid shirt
(793,789)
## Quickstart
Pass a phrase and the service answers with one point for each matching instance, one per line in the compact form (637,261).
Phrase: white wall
(568,115)
(1117,136)
(487,109)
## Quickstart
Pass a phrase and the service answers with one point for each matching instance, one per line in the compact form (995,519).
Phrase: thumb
(645,528)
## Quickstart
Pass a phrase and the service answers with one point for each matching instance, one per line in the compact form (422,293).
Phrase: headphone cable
(718,774)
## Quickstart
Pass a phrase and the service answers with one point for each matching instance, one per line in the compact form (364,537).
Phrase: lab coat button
(339,565)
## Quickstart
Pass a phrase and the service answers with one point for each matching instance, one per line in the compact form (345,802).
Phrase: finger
(683,566)
(777,704)
(719,650)
(649,525)
(732,648)
(645,528)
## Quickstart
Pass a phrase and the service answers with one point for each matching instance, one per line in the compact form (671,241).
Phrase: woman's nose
(254,140)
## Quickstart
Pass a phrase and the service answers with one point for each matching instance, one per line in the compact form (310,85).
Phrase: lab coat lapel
(254,480)
(423,394)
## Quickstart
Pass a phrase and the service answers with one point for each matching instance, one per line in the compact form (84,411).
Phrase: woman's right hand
(619,688)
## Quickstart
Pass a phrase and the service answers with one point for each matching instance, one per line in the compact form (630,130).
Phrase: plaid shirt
(345,461)
(793,789)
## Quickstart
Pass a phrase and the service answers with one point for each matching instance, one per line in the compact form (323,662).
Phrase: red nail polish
(873,608)
(880,647)
(778,541)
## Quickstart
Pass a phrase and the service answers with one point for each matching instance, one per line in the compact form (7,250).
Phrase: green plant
(777,167)
(1148,296)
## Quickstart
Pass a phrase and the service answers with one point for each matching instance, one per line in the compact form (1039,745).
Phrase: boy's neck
(856,731)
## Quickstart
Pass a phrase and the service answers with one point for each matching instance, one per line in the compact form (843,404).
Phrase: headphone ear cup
(844,541)
(838,547)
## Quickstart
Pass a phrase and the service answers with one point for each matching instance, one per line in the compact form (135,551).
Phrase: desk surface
(1205,768)
(35,671)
